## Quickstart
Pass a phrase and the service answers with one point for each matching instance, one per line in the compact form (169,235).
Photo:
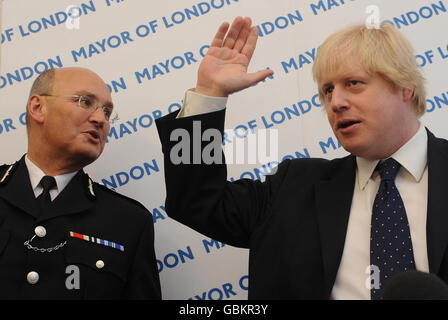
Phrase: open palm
(223,70)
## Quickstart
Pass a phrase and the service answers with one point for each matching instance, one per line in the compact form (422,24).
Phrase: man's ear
(36,108)
(407,94)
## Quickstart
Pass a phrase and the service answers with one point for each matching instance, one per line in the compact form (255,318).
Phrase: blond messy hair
(384,51)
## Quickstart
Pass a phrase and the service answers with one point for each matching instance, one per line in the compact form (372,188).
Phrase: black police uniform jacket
(295,222)
(79,268)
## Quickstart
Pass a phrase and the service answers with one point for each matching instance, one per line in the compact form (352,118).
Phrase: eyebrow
(346,77)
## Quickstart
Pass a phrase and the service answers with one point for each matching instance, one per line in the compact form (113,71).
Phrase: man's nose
(339,99)
(98,117)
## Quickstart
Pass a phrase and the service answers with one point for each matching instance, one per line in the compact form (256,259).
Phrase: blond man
(321,229)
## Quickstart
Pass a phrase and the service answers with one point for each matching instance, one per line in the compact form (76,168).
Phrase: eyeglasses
(91,104)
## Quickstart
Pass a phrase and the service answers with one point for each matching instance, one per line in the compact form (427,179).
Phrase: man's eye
(86,102)
(328,90)
(107,112)
(354,82)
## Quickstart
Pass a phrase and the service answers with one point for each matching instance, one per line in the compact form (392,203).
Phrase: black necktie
(44,198)
(390,242)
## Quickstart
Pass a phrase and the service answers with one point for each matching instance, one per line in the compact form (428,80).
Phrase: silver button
(40,231)
(32,277)
(100,264)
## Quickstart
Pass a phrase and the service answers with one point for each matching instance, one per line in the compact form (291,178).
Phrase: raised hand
(223,70)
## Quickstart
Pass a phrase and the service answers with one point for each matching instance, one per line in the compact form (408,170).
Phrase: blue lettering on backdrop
(47,22)
(22,119)
(6,125)
(208,243)
(297,155)
(115,86)
(437,102)
(143,30)
(288,113)
(423,59)
(244,282)
(145,121)
(163,68)
(281,22)
(101,46)
(172,260)
(300,61)
(135,173)
(430,56)
(276,117)
(321,6)
(157,214)
(412,17)
(443,51)
(270,167)
(130,127)
(109,2)
(224,291)
(197,10)
(28,72)
(329,144)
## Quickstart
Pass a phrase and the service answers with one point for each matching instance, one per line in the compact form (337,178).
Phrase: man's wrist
(197,103)
(210,92)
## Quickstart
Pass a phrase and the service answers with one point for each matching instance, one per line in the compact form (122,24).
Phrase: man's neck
(51,166)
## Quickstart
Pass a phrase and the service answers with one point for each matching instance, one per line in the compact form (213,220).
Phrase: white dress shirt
(36,174)
(411,181)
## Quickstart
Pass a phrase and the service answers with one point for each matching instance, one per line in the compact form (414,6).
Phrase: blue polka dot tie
(390,241)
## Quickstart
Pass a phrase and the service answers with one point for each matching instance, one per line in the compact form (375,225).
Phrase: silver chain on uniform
(43,250)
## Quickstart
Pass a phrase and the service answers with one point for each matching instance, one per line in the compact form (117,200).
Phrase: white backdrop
(149,52)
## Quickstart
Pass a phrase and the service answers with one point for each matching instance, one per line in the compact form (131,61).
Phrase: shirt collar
(36,174)
(412,156)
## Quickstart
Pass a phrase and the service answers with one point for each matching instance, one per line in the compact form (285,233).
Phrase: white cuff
(195,103)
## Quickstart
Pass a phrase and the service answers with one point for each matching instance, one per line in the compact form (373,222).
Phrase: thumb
(256,77)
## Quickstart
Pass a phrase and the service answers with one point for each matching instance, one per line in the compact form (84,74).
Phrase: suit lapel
(73,199)
(333,203)
(17,189)
(437,214)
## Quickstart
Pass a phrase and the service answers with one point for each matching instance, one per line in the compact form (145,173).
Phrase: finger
(256,77)
(219,37)
(235,29)
(244,34)
(251,43)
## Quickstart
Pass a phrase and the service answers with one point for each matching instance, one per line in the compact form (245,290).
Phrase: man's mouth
(347,123)
(95,135)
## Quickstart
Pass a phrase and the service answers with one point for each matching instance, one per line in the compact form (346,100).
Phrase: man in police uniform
(63,236)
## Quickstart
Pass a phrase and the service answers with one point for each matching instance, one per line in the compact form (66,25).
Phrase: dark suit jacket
(295,222)
(84,208)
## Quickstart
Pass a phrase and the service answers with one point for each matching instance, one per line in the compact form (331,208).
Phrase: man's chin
(363,152)
(86,157)
(353,148)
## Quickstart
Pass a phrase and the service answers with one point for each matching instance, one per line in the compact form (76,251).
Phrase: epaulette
(6,172)
(115,193)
